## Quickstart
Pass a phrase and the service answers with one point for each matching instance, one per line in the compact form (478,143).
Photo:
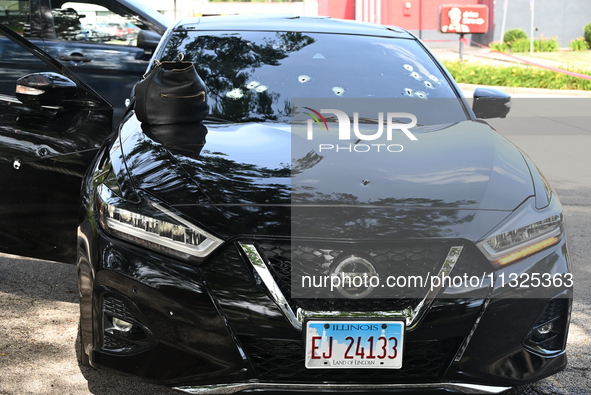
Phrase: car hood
(261,178)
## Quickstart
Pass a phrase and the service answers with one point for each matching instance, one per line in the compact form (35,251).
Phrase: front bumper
(220,328)
(342,388)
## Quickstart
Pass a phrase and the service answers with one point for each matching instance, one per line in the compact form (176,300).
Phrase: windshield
(254,76)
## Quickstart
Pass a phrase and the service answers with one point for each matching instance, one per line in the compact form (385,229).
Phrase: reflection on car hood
(253,172)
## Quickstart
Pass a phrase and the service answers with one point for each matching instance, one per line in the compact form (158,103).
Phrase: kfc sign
(463,19)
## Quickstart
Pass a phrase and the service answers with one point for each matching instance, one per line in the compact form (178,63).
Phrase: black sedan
(342,221)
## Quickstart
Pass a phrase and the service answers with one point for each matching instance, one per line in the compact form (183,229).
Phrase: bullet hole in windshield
(257,86)
(338,90)
(433,78)
(415,75)
(252,84)
(235,94)
(408,91)
(408,67)
(421,95)
(429,85)
(304,78)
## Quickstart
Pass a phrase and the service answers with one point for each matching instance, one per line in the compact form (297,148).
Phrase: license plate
(354,344)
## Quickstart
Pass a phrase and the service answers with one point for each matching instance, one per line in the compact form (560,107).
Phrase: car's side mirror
(45,89)
(491,103)
(148,40)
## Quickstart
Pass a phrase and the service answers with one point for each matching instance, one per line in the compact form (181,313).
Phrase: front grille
(283,360)
(353,304)
(290,261)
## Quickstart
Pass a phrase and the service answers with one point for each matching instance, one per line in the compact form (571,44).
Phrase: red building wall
(418,16)
(421,15)
(343,9)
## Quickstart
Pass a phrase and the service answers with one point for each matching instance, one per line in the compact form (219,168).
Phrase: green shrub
(516,76)
(546,45)
(520,45)
(578,44)
(512,35)
(587,34)
(540,45)
(499,46)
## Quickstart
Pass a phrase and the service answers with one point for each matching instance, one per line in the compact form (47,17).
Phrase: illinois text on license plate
(354,344)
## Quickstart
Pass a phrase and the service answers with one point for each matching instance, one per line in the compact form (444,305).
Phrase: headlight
(520,237)
(153,226)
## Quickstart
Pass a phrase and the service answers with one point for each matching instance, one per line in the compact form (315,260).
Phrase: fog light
(122,326)
(123,332)
(545,329)
(548,335)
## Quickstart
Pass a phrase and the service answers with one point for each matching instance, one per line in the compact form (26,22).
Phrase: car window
(255,75)
(15,15)
(91,22)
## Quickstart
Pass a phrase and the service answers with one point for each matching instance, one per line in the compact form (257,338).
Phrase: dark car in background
(209,254)
(96,38)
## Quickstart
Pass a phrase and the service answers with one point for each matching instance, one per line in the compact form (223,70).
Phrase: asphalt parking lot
(38,300)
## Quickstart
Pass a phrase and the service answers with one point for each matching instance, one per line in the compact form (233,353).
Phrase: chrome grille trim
(464,346)
(266,277)
(411,316)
